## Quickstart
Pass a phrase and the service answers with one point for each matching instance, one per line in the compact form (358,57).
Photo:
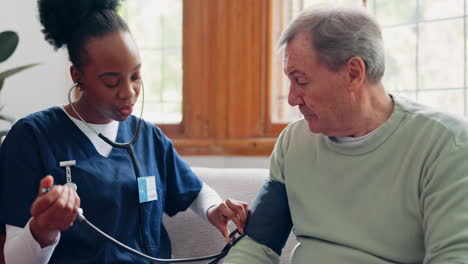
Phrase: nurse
(106,68)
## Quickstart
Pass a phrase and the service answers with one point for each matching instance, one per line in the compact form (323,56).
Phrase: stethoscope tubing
(218,256)
(129,147)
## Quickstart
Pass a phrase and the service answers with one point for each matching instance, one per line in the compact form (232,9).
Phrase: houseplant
(8,43)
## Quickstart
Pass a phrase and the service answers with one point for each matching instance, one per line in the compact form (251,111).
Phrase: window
(226,73)
(425,43)
(234,94)
(425,51)
(227,63)
(157,29)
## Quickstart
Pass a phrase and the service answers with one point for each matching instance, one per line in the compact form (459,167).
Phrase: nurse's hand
(53,212)
(233,210)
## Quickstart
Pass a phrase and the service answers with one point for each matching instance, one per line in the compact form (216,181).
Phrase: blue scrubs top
(107,186)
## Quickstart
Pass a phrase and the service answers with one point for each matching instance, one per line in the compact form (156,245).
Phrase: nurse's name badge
(147,189)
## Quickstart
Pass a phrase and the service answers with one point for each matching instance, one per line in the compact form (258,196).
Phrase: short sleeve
(182,186)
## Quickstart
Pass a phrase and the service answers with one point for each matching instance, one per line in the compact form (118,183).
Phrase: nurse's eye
(111,81)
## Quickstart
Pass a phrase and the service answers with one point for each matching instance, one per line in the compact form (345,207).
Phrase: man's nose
(294,98)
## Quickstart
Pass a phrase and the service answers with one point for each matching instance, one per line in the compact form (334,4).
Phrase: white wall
(39,87)
(47,85)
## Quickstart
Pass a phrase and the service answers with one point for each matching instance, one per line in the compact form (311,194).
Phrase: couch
(192,236)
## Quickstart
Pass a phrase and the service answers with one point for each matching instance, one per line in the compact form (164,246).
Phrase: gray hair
(339,33)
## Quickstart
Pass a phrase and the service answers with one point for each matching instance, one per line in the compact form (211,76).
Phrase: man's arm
(267,228)
(269,222)
(249,251)
(444,203)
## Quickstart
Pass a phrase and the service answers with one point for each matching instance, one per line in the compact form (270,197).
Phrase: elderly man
(366,177)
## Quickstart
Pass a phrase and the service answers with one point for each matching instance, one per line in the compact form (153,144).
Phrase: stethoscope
(235,235)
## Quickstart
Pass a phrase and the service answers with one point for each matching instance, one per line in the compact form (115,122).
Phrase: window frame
(226,79)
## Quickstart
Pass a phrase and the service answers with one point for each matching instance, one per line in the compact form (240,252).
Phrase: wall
(47,85)
(39,87)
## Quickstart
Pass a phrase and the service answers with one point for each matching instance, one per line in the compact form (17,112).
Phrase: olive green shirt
(398,196)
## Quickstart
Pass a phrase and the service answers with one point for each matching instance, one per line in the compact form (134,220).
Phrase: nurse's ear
(76,76)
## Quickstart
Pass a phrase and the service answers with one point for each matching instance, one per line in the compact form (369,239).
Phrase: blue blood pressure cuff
(269,221)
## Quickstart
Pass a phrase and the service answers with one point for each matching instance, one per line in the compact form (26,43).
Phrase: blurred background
(213,76)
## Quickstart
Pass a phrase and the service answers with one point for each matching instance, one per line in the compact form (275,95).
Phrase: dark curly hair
(73,23)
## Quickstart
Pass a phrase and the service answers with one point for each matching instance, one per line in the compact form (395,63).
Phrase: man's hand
(233,210)
(53,212)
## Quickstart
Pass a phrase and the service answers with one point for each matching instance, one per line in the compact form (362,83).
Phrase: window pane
(154,24)
(446,100)
(308,3)
(400,58)
(391,12)
(315,3)
(408,95)
(152,73)
(370,4)
(157,28)
(172,76)
(436,9)
(441,57)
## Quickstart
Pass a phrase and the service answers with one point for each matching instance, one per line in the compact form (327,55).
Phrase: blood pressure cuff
(269,222)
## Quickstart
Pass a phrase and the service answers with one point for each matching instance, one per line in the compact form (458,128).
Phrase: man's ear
(356,71)
(75,75)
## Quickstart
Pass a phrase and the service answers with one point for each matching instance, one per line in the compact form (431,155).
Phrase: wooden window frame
(227,75)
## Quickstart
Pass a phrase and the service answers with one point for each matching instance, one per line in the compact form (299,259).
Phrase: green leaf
(8,73)
(8,43)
